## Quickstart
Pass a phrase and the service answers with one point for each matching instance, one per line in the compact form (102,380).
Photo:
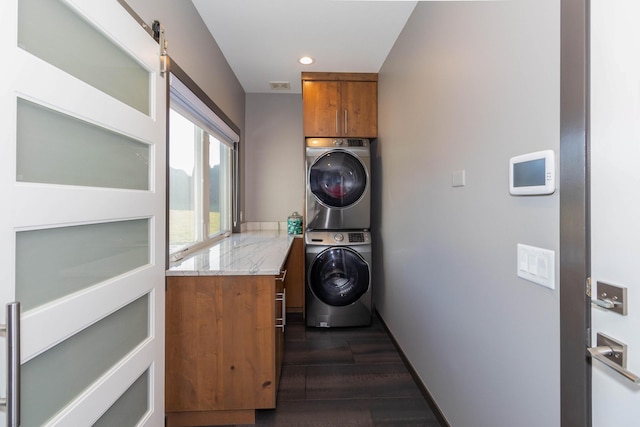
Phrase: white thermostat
(532,173)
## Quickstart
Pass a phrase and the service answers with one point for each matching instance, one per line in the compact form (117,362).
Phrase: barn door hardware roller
(158,34)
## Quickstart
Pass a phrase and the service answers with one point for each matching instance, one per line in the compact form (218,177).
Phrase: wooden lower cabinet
(223,348)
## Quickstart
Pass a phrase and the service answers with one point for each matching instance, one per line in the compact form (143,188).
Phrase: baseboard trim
(423,389)
(210,418)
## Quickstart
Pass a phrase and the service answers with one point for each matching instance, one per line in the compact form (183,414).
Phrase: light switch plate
(537,265)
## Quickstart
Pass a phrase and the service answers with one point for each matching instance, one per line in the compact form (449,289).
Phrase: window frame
(193,104)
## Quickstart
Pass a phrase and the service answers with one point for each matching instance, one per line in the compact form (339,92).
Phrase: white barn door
(82,224)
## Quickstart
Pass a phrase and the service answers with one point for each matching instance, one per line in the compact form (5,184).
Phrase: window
(201,163)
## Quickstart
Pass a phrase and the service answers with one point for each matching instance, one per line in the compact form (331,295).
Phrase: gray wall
(193,48)
(467,86)
(274,157)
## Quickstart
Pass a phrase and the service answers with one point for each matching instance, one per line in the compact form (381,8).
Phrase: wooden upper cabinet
(321,104)
(340,104)
(360,108)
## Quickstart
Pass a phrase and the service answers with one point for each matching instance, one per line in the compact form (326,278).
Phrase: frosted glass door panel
(130,408)
(51,380)
(50,30)
(55,262)
(55,148)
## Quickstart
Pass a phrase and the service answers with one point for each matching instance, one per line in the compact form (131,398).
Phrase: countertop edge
(196,264)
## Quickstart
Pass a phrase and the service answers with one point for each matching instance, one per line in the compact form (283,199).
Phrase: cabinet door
(294,282)
(359,101)
(321,108)
(220,349)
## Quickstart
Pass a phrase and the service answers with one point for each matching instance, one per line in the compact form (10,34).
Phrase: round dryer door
(339,276)
(338,179)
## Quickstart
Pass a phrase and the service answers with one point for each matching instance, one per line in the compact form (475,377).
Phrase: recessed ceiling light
(306,60)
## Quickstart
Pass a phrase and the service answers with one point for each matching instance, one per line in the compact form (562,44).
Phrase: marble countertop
(248,253)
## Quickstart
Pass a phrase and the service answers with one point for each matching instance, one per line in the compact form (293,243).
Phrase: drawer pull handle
(284,274)
(281,322)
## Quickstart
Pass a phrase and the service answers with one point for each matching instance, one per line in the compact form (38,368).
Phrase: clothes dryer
(338,283)
(338,180)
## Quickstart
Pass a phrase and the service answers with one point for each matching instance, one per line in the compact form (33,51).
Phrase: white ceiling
(263,39)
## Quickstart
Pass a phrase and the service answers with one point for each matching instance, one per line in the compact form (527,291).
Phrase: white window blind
(187,103)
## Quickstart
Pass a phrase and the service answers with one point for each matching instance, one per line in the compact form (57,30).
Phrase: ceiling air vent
(280,85)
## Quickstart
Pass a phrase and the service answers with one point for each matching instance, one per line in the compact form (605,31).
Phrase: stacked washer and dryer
(338,241)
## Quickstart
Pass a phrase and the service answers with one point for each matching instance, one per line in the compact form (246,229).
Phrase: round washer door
(339,276)
(338,179)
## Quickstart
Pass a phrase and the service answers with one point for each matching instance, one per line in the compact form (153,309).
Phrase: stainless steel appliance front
(338,180)
(338,283)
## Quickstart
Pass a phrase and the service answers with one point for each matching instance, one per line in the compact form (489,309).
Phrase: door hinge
(588,287)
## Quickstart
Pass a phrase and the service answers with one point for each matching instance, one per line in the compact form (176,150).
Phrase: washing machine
(338,282)
(337,192)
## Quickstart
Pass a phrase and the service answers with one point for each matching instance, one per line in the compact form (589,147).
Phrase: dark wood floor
(345,377)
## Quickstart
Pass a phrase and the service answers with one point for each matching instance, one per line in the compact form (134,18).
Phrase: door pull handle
(611,297)
(607,303)
(612,354)
(12,333)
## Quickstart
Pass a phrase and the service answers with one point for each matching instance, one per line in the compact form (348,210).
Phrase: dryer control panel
(337,142)
(338,238)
